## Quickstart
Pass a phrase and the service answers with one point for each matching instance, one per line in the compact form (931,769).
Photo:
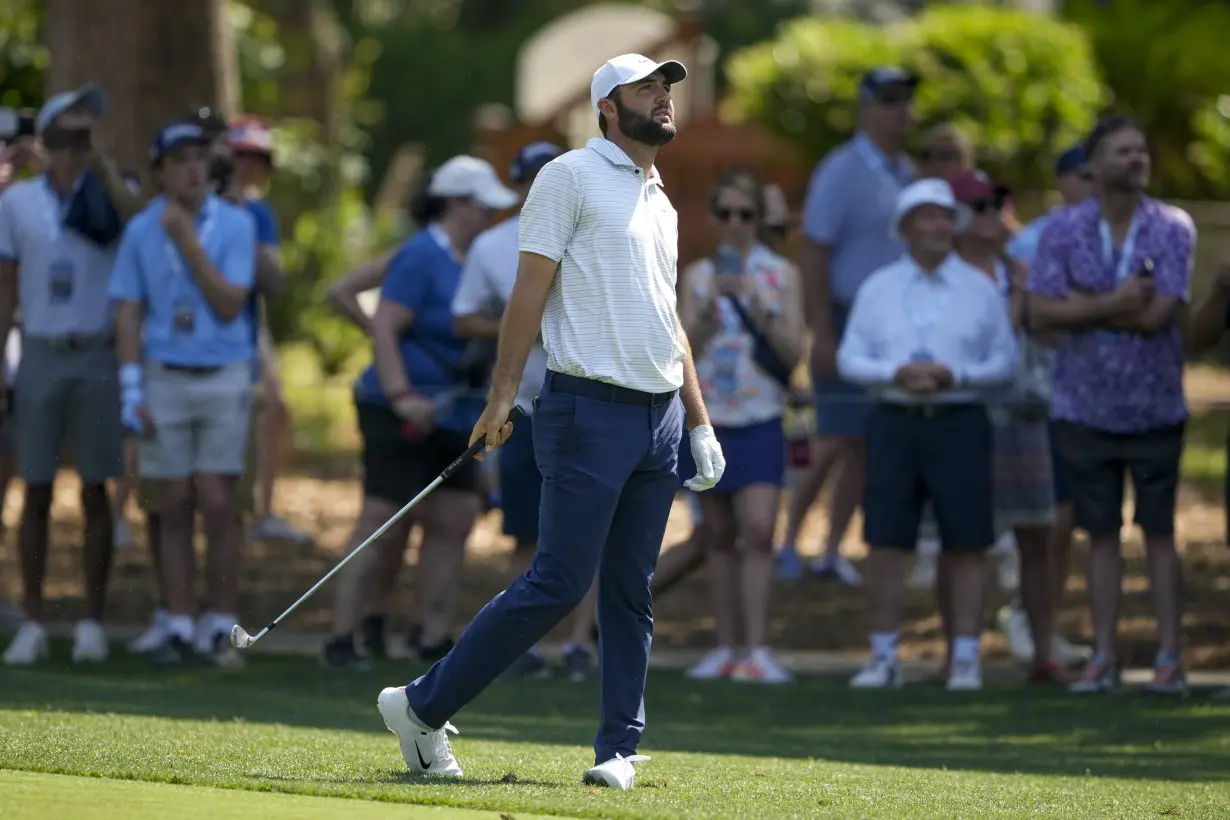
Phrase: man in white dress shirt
(599,247)
(929,336)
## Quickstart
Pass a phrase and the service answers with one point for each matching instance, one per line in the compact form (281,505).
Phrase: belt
(930,411)
(601,391)
(192,369)
(74,342)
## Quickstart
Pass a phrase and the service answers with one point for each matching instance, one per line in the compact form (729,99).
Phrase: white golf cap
(630,68)
(922,192)
(471,177)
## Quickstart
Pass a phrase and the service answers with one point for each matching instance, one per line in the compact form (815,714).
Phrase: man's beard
(639,128)
(1129,181)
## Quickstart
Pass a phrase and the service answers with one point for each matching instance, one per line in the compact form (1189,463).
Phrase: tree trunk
(155,59)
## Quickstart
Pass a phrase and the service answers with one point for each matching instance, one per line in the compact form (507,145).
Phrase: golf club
(240,639)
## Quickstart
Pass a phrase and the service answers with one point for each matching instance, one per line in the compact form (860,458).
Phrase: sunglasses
(894,98)
(993,203)
(744,215)
(939,154)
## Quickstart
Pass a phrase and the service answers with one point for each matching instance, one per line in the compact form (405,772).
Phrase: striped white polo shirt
(610,314)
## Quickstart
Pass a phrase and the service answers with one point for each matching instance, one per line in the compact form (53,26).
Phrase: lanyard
(203,233)
(879,164)
(925,309)
(1129,247)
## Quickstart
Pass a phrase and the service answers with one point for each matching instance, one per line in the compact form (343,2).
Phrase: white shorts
(201,421)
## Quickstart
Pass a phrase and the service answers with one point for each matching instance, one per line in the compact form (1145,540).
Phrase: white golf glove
(710,463)
(132,397)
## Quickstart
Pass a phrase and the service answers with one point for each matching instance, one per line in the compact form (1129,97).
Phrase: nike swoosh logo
(422,762)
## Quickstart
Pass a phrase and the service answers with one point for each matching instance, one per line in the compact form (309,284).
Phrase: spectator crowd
(981,388)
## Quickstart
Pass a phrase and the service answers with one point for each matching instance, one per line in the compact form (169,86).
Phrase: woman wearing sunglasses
(742,310)
(1024,483)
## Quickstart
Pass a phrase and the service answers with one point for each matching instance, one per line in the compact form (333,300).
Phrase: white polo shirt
(62,276)
(486,284)
(611,313)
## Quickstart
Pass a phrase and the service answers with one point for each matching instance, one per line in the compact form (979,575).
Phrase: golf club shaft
(514,415)
(371,538)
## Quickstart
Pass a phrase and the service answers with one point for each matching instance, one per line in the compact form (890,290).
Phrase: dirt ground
(811,614)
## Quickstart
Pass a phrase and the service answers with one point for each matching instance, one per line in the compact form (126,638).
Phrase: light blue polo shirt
(849,208)
(267,233)
(63,277)
(149,269)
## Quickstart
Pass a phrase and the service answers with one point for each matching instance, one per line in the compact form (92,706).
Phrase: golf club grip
(514,415)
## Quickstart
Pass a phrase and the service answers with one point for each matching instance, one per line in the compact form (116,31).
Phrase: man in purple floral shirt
(1112,273)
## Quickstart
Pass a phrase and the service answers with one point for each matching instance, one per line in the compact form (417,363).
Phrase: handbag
(91,213)
(762,352)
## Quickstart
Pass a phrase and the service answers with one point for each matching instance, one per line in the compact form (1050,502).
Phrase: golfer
(599,245)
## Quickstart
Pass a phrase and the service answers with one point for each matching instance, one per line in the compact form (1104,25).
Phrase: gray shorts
(68,396)
(201,421)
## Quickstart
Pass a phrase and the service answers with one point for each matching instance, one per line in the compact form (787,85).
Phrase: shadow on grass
(999,730)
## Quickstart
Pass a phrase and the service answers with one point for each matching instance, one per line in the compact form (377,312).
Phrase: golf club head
(240,639)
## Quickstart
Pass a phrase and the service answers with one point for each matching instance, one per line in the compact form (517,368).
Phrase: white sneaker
(923,576)
(881,673)
(838,567)
(965,677)
(760,667)
(1069,653)
(153,637)
(616,772)
(1007,563)
(121,533)
(1015,625)
(424,750)
(717,664)
(89,642)
(28,647)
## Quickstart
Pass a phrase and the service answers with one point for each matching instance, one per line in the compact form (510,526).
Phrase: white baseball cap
(630,68)
(922,192)
(465,176)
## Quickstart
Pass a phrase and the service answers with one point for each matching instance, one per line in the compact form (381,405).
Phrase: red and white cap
(250,135)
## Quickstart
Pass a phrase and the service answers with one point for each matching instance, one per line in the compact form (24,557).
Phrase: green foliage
(1023,86)
(23,57)
(1165,64)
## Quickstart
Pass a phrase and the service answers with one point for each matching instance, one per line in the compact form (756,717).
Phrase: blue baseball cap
(1070,161)
(90,96)
(531,158)
(880,78)
(175,135)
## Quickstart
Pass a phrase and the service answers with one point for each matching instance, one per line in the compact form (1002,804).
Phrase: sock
(965,649)
(884,645)
(180,626)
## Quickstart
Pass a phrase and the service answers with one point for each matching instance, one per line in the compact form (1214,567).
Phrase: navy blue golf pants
(608,457)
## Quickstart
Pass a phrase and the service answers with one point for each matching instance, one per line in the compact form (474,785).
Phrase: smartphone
(727,262)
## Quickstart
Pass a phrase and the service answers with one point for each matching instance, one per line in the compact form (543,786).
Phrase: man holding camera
(58,234)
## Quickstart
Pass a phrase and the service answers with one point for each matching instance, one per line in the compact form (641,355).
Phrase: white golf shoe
(616,773)
(425,750)
(89,642)
(29,645)
(153,637)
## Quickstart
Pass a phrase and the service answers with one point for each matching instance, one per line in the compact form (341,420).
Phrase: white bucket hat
(923,192)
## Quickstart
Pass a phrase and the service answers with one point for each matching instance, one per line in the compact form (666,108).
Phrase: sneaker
(425,750)
(272,528)
(578,663)
(1015,625)
(203,636)
(153,637)
(717,664)
(530,666)
(761,667)
(1069,653)
(881,673)
(222,654)
(966,676)
(1007,569)
(339,653)
(435,652)
(121,534)
(175,653)
(1099,675)
(1169,677)
(789,565)
(837,567)
(923,576)
(617,773)
(29,645)
(372,637)
(1051,672)
(89,642)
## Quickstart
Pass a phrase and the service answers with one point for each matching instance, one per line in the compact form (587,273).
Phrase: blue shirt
(423,277)
(267,233)
(849,208)
(149,269)
(1024,246)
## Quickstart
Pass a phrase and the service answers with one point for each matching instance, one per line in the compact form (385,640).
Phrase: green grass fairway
(814,749)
